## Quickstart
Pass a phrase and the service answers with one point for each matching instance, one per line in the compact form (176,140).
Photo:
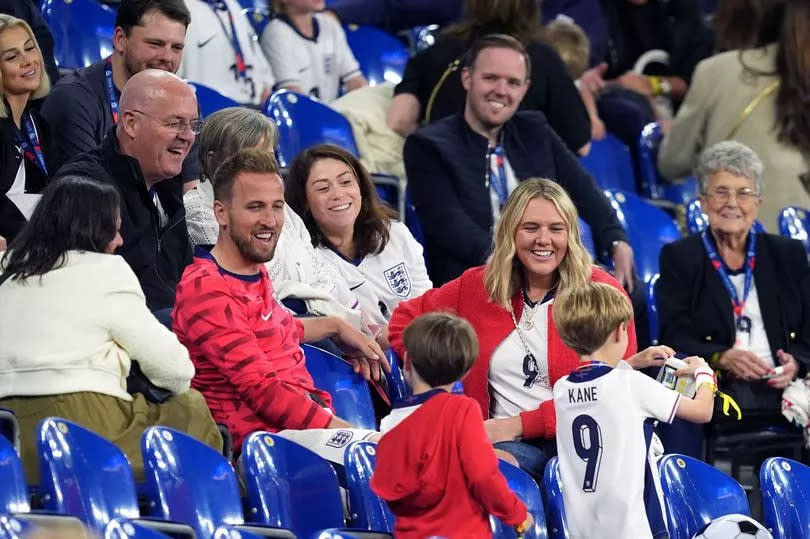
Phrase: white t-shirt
(209,57)
(604,426)
(318,65)
(381,281)
(757,340)
(512,388)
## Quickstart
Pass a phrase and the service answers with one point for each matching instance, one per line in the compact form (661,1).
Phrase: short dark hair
(372,224)
(75,213)
(497,41)
(245,160)
(131,12)
(441,347)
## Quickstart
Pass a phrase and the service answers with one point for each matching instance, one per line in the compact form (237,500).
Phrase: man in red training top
(436,467)
(244,344)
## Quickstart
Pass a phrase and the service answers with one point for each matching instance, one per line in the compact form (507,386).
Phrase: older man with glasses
(735,296)
(143,156)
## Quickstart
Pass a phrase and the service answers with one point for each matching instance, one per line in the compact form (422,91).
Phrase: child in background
(308,51)
(605,412)
(573,46)
(436,468)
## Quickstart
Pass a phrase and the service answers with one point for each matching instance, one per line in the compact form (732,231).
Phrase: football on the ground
(733,527)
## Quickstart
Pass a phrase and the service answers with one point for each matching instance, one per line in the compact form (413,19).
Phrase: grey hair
(232,129)
(732,157)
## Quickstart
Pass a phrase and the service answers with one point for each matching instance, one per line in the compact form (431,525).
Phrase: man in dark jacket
(461,169)
(143,157)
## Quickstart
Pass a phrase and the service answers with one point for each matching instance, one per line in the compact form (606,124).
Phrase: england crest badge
(398,280)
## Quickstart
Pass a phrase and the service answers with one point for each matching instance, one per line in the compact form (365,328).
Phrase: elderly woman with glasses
(735,296)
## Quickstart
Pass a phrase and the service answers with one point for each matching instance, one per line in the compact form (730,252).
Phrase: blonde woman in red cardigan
(538,251)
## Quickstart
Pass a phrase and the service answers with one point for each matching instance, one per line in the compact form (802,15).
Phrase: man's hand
(3,244)
(638,83)
(743,364)
(504,430)
(653,356)
(593,80)
(623,264)
(365,354)
(337,423)
(791,370)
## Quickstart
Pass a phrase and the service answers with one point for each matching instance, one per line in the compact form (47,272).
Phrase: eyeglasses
(177,125)
(743,196)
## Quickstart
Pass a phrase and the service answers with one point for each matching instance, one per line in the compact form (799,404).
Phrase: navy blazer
(448,181)
(696,315)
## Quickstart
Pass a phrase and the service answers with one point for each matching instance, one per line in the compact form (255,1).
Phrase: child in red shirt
(436,468)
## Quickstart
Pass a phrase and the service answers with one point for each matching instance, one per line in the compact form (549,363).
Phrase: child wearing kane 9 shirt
(605,417)
(436,468)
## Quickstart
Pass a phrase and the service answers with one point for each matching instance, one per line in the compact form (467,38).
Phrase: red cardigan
(467,297)
(439,474)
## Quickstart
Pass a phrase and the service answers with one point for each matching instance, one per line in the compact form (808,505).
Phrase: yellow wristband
(655,82)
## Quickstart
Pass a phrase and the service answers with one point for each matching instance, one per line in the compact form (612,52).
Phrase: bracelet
(655,82)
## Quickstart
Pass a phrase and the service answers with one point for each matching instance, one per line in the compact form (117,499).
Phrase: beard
(133,66)
(247,250)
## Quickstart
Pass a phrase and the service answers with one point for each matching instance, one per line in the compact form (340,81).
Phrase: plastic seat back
(793,223)
(785,497)
(611,164)
(368,511)
(587,238)
(10,427)
(555,504)
(13,491)
(351,397)
(696,493)
(289,486)
(527,490)
(653,185)
(259,18)
(697,221)
(303,121)
(210,100)
(381,56)
(188,482)
(82,31)
(84,475)
(648,229)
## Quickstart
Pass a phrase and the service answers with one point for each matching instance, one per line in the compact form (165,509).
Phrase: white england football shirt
(209,57)
(604,426)
(381,281)
(318,65)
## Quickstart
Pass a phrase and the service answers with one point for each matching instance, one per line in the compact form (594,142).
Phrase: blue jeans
(532,455)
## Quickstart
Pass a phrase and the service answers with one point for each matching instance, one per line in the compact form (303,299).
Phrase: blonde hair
(6,23)
(585,316)
(571,43)
(503,274)
(441,347)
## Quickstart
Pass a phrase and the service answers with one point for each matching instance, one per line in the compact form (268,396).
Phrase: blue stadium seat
(368,511)
(303,121)
(653,185)
(794,223)
(210,100)
(351,397)
(289,486)
(10,427)
(412,221)
(555,504)
(13,492)
(381,56)
(697,493)
(785,497)
(193,484)
(652,309)
(398,388)
(697,221)
(528,491)
(648,229)
(587,238)
(259,17)
(84,475)
(611,164)
(82,31)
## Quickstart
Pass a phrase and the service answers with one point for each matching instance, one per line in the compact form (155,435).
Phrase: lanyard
(718,264)
(239,65)
(29,142)
(497,173)
(112,94)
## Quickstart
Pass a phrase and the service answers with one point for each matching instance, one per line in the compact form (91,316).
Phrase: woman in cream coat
(770,81)
(72,319)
